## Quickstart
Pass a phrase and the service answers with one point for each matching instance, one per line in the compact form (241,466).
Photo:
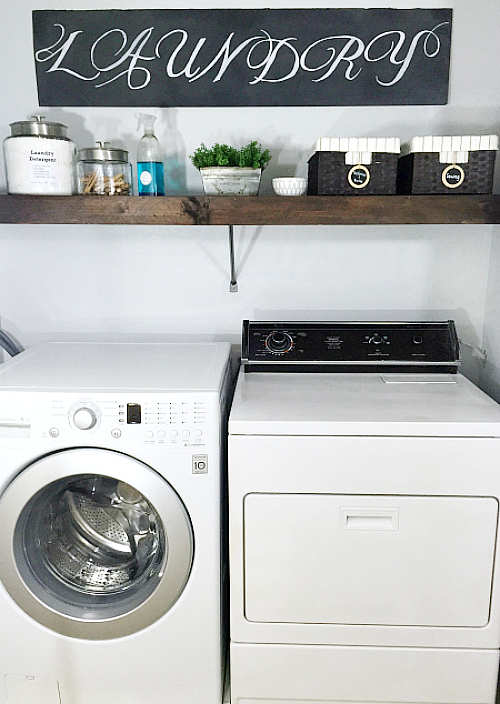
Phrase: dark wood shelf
(260,210)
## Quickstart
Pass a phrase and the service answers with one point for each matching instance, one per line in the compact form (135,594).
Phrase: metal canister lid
(37,127)
(103,152)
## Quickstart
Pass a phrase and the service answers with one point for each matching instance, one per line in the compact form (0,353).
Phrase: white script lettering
(267,59)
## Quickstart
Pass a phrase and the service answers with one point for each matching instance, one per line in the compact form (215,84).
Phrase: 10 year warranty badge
(200,464)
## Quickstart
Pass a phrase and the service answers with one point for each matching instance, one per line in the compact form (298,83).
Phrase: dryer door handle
(369,519)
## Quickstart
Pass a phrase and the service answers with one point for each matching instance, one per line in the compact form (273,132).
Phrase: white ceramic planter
(230,181)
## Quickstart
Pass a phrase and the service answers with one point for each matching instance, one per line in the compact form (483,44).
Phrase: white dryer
(363,519)
(110,508)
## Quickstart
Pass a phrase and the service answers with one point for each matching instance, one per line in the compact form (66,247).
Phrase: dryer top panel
(362,404)
(118,366)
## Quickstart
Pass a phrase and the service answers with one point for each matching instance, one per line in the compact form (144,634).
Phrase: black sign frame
(236,57)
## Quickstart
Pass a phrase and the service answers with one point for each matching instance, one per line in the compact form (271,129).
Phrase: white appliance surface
(363,514)
(118,365)
(145,420)
(372,404)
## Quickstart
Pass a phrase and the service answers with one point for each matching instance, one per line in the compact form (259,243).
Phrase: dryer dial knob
(84,418)
(279,342)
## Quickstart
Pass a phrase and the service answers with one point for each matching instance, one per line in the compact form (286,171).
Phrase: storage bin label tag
(358,176)
(453,176)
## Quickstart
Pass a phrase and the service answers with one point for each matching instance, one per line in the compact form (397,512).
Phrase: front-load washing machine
(110,515)
(363,518)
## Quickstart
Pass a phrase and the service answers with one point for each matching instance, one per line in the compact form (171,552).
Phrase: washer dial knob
(84,418)
(279,342)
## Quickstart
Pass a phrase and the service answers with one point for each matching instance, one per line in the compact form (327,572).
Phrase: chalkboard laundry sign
(236,57)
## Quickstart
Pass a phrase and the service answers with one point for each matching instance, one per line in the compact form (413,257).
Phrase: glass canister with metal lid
(104,171)
(39,158)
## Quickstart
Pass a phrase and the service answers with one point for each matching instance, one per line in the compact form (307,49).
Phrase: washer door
(94,544)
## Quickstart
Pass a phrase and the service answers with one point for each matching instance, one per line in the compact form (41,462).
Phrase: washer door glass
(94,556)
(91,540)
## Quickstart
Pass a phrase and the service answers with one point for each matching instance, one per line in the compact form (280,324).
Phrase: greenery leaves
(252,155)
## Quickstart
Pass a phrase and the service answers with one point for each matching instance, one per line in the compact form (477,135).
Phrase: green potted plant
(228,171)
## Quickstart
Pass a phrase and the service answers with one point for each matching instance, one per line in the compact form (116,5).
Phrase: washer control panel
(142,419)
(268,345)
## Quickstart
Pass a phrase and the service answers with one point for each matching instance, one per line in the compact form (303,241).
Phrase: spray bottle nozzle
(147,121)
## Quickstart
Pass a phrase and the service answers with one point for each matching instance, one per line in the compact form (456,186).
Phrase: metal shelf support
(233,284)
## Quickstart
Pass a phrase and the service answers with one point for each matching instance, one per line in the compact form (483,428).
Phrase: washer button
(54,433)
(116,433)
(149,434)
(198,433)
(161,433)
(173,433)
(185,433)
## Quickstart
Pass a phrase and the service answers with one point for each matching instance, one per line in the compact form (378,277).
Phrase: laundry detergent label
(43,167)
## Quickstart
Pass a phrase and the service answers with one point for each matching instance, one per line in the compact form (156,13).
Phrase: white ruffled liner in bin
(452,149)
(358,150)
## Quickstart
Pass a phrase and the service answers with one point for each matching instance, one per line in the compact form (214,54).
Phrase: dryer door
(94,544)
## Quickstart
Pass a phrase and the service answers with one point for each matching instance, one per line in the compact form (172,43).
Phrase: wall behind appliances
(60,282)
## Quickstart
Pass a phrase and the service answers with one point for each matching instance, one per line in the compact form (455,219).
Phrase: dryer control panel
(350,346)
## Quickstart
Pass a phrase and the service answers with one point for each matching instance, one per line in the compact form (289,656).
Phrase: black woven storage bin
(422,173)
(329,175)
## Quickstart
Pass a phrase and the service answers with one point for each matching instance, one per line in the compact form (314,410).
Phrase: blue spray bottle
(150,178)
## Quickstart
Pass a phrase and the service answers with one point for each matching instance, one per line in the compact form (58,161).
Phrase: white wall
(98,282)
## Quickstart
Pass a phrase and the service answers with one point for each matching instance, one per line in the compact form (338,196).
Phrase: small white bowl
(290,186)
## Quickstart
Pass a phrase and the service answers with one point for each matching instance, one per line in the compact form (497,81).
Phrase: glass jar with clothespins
(104,171)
